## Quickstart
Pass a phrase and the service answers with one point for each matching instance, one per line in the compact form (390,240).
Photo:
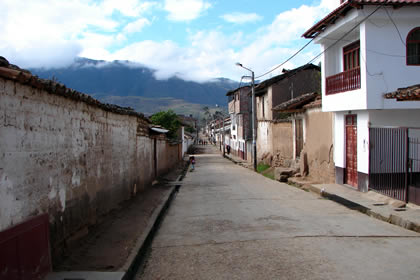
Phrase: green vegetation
(261,167)
(169,120)
(269,175)
(266,170)
(190,129)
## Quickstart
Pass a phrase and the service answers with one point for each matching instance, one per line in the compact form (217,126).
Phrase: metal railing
(344,81)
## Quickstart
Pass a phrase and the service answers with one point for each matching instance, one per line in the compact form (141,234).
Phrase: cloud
(131,8)
(33,30)
(136,26)
(185,10)
(241,18)
(52,33)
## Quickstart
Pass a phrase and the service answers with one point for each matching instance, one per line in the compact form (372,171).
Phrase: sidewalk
(113,248)
(371,203)
(238,160)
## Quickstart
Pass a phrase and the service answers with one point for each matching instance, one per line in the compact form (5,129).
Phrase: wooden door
(351,150)
(299,136)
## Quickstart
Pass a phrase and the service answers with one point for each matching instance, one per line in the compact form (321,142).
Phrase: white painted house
(371,48)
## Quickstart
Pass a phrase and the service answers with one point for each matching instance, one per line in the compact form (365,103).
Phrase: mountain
(128,84)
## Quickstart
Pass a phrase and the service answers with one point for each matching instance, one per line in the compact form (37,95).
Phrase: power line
(396,28)
(369,50)
(332,45)
(296,53)
(345,34)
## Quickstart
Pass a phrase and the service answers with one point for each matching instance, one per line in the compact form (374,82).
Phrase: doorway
(350,176)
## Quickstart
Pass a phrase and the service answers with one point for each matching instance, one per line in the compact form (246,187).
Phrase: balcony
(344,81)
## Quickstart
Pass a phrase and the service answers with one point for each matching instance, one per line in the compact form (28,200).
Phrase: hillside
(128,84)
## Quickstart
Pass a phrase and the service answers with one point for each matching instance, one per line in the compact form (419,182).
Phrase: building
(274,138)
(240,115)
(312,133)
(371,48)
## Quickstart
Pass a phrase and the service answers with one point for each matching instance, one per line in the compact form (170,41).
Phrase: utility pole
(253,116)
(223,134)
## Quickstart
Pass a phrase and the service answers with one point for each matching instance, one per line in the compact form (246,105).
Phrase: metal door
(414,171)
(351,151)
(25,250)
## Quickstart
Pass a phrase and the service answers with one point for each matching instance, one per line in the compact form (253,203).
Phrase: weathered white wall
(263,138)
(70,159)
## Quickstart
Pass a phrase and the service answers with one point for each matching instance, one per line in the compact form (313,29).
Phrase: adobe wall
(319,145)
(282,144)
(66,154)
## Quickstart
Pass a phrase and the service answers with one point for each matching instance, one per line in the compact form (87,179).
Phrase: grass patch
(261,167)
(266,170)
(269,175)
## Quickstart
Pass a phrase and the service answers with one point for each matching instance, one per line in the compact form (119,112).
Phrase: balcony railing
(344,81)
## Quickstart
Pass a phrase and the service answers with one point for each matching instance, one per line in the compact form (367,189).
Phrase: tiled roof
(411,93)
(297,103)
(12,72)
(317,103)
(261,86)
(348,5)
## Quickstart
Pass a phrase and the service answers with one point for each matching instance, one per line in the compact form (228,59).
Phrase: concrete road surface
(228,222)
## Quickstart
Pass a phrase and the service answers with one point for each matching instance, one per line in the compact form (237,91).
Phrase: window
(351,56)
(413,47)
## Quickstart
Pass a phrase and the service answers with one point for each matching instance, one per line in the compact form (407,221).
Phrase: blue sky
(192,39)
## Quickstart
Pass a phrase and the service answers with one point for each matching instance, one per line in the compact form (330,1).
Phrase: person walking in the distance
(192,162)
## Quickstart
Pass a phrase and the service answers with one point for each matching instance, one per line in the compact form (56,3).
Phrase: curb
(143,243)
(392,219)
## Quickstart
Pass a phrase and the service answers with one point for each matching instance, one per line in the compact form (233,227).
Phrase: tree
(169,120)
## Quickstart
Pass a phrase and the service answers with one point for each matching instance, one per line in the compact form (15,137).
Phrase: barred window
(413,47)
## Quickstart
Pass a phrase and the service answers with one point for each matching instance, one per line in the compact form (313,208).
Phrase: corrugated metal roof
(411,93)
(348,5)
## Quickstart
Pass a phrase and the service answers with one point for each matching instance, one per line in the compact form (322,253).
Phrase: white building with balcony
(371,48)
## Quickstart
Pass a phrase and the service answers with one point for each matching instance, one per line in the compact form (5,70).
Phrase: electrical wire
(345,34)
(369,50)
(396,28)
(278,66)
(332,45)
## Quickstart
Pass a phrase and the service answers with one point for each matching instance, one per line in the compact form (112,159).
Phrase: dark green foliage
(169,120)
(190,129)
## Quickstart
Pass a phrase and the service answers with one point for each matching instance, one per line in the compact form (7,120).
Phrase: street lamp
(254,134)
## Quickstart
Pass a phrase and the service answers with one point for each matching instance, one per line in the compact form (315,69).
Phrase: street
(228,222)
